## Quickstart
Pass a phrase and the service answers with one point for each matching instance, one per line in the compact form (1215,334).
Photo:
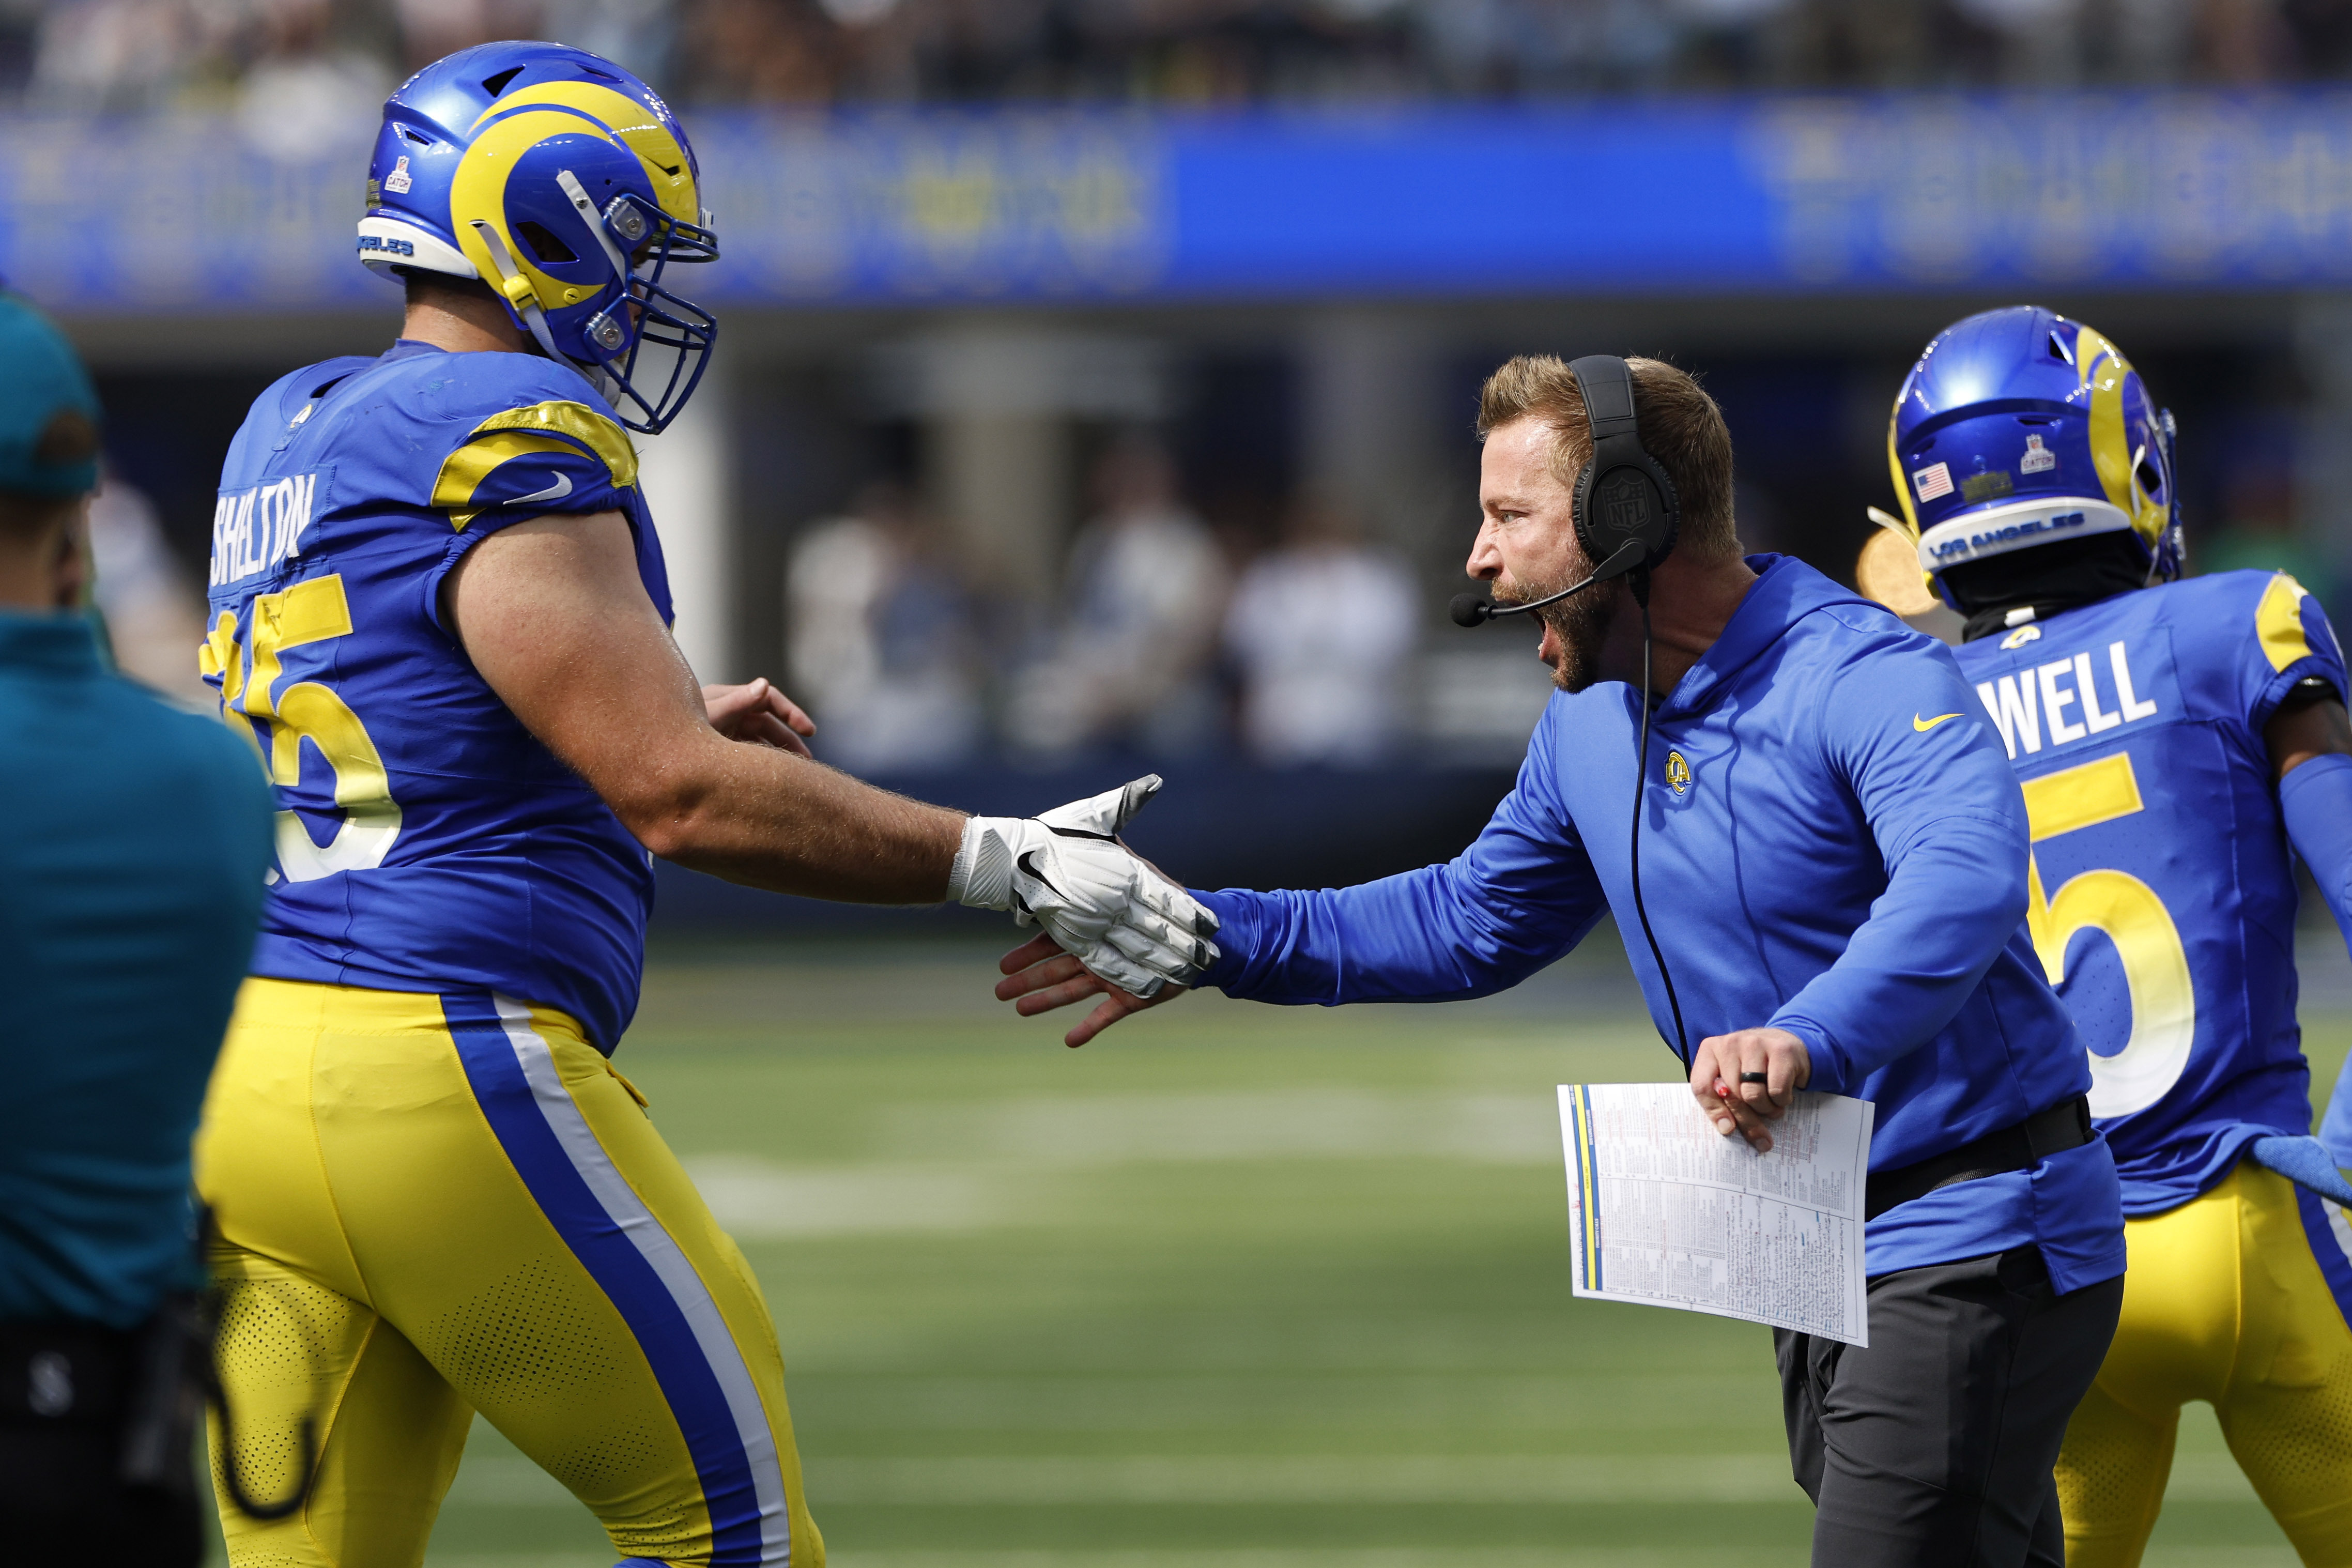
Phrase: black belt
(2065,1125)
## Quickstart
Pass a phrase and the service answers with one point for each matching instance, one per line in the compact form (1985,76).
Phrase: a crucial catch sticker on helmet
(2037,459)
(400,180)
(260,528)
(1931,483)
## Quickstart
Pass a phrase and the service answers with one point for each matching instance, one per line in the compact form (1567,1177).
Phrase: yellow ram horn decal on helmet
(1902,480)
(2103,370)
(478,195)
(637,128)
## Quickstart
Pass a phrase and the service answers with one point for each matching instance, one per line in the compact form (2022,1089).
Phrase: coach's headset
(1624,507)
(1626,516)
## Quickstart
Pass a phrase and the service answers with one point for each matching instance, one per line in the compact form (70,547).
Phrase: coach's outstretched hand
(1044,977)
(1104,907)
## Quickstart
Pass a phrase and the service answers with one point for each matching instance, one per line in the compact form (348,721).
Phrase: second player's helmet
(568,186)
(2021,430)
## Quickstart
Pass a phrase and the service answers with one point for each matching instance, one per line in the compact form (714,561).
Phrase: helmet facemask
(645,312)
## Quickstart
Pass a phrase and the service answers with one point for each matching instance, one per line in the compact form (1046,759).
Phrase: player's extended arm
(554,617)
(1522,894)
(2310,742)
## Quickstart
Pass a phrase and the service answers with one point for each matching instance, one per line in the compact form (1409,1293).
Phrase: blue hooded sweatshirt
(1832,844)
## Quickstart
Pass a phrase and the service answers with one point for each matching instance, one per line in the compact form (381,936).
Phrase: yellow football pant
(430,1205)
(2237,1298)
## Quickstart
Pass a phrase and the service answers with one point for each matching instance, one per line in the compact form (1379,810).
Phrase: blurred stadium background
(1094,394)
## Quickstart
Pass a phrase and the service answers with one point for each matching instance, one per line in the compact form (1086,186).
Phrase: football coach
(132,847)
(1824,857)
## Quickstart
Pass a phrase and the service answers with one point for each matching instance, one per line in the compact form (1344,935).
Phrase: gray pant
(1933,1448)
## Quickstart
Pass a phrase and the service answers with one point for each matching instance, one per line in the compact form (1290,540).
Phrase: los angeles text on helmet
(1980,543)
(1974,535)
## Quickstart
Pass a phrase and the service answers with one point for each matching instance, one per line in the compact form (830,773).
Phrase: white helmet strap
(533,317)
(578,197)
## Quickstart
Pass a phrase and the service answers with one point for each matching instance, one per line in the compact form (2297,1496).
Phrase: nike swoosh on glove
(1068,871)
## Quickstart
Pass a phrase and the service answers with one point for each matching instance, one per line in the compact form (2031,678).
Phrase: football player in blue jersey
(440,617)
(2179,742)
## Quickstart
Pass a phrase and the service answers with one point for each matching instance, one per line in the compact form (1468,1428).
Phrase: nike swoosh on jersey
(556,492)
(1923,725)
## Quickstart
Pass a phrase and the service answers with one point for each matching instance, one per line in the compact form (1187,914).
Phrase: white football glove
(1068,871)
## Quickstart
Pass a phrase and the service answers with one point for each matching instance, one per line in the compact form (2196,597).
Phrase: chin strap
(518,291)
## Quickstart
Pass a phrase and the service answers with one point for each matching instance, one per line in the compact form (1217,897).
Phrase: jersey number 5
(2127,909)
(311,611)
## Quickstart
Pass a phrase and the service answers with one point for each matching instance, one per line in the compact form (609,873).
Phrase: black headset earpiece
(1622,497)
(1626,514)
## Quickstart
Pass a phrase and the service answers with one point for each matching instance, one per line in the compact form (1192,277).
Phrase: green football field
(1236,1287)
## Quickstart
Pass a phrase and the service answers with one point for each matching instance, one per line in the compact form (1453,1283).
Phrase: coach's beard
(1578,624)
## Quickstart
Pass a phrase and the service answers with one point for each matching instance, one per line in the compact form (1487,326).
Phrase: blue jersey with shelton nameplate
(2162,895)
(426,841)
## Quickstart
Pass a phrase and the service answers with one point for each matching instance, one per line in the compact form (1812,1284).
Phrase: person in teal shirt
(131,857)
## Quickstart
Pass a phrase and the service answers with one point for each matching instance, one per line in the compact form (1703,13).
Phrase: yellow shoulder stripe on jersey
(580,423)
(2278,620)
(553,427)
(2076,798)
(462,475)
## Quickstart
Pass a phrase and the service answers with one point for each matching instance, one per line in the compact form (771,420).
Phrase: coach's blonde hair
(1680,427)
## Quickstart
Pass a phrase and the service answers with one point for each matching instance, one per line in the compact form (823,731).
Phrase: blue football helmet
(566,184)
(2019,428)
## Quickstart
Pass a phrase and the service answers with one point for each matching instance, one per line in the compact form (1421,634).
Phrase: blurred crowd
(141,54)
(1166,638)
(1170,639)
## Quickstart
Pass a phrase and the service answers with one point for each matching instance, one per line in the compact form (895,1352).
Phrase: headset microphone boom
(1470,610)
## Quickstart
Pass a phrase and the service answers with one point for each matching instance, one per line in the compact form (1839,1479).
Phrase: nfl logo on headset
(1624,507)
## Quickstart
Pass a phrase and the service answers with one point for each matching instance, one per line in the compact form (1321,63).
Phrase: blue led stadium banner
(1738,196)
